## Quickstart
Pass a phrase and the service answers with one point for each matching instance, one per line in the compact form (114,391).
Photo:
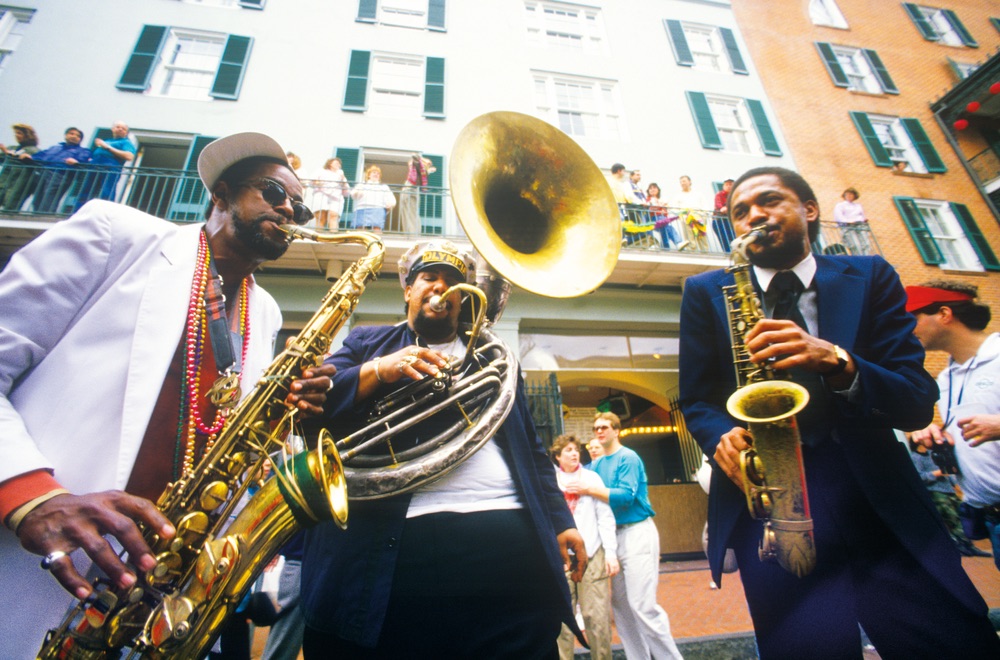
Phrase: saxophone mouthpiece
(294,231)
(437,304)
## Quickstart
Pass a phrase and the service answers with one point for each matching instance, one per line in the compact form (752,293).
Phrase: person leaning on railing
(17,174)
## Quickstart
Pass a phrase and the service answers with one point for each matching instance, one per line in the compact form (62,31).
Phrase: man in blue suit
(467,566)
(884,559)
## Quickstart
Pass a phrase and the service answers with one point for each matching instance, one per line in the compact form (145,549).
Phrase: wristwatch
(842,359)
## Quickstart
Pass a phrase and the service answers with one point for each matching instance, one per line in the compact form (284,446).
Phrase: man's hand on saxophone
(790,346)
(727,453)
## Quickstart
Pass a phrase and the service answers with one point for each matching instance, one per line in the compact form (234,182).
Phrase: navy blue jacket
(347,574)
(861,308)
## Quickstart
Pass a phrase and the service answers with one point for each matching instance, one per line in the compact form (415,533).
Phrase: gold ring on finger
(414,351)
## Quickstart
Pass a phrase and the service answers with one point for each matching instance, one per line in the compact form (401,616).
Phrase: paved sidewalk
(712,623)
(715,623)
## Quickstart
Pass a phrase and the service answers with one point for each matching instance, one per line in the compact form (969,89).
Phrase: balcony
(660,247)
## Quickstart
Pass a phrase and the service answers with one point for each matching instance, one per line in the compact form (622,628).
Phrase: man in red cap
(950,319)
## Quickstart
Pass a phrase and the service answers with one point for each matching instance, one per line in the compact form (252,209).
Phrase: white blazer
(91,313)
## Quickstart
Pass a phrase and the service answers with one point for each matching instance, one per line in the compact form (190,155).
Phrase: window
(733,124)
(898,142)
(941,25)
(561,25)
(403,13)
(826,12)
(962,70)
(705,47)
(857,69)
(946,235)
(13,22)
(582,107)
(186,64)
(395,85)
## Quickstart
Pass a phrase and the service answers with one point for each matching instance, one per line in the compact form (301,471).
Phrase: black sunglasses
(275,194)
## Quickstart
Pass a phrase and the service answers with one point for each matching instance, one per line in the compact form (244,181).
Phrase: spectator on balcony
(107,160)
(851,220)
(691,207)
(721,225)
(57,174)
(373,200)
(621,187)
(17,174)
(409,199)
(663,220)
(331,188)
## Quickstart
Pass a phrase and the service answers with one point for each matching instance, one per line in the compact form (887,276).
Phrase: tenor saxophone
(202,574)
(773,475)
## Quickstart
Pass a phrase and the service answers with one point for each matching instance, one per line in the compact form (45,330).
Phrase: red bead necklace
(194,350)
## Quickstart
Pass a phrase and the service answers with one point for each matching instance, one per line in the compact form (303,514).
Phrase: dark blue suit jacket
(347,574)
(861,308)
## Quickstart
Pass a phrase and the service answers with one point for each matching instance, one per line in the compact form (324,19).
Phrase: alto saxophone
(202,574)
(773,475)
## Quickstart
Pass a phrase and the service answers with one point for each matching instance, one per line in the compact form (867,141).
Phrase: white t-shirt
(965,390)
(483,482)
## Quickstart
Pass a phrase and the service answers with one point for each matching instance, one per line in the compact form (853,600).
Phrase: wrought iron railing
(28,188)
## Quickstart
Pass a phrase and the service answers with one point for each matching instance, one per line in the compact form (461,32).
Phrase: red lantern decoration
(973,106)
(995,88)
(961,124)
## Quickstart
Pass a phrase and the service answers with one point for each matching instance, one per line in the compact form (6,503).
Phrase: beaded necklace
(190,420)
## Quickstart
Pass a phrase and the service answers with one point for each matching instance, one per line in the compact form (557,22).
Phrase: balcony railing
(702,231)
(34,189)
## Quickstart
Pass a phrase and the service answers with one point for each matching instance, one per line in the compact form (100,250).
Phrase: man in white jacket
(596,523)
(105,370)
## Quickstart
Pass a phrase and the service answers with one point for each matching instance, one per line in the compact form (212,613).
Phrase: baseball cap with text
(436,254)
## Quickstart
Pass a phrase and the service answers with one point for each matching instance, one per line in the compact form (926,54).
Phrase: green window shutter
(432,199)
(101,134)
(229,77)
(703,120)
(832,64)
(954,69)
(983,250)
(888,86)
(926,245)
(357,81)
(733,51)
(349,160)
(957,25)
(190,196)
(679,43)
(767,139)
(996,23)
(140,64)
(923,145)
(870,138)
(435,15)
(434,88)
(252,4)
(918,18)
(367,11)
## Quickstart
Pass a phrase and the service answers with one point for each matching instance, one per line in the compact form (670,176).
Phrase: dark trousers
(863,576)
(472,585)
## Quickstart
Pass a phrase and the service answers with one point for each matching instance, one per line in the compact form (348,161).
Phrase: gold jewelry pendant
(225,391)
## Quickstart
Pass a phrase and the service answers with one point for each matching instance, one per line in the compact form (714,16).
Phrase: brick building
(852,83)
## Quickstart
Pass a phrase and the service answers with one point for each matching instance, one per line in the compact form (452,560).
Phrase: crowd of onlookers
(682,219)
(46,175)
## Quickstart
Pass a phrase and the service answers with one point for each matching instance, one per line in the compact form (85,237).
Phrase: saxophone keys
(213,496)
